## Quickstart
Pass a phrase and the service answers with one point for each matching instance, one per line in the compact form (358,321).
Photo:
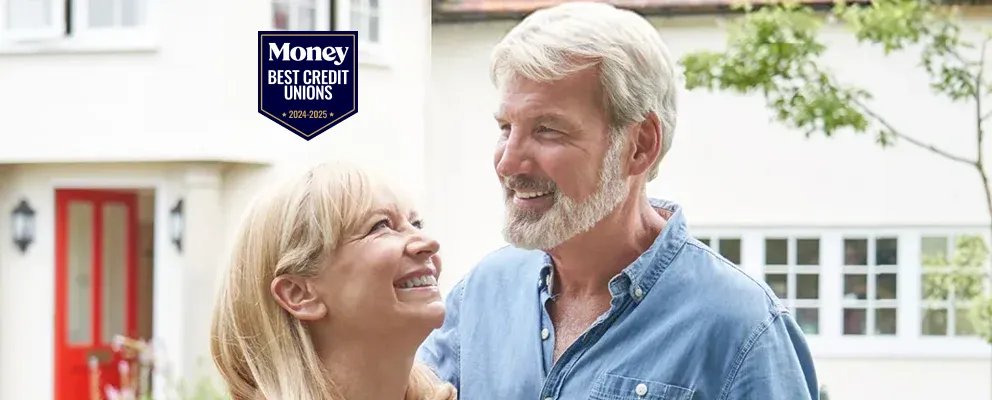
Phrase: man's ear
(646,144)
(295,295)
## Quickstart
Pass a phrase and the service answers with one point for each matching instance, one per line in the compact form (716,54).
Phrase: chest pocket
(616,387)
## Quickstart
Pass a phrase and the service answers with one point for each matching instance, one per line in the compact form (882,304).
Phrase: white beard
(567,217)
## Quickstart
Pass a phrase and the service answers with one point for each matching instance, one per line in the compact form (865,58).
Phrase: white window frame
(951,304)
(82,38)
(791,269)
(871,303)
(368,53)
(713,241)
(57,16)
(831,343)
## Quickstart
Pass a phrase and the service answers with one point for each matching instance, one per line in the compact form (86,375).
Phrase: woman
(331,288)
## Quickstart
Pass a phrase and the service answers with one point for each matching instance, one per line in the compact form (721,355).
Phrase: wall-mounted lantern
(177,225)
(22,219)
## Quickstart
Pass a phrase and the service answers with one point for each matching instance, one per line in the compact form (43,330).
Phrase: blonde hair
(261,350)
(637,73)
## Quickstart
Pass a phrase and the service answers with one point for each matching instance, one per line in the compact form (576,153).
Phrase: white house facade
(130,137)
(837,227)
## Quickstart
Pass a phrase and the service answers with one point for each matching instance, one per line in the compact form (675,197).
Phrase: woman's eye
(379,225)
(418,224)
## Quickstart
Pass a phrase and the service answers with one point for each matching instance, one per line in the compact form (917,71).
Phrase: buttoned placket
(546,328)
(620,291)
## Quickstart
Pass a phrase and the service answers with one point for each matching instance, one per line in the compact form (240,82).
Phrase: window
(364,18)
(947,297)
(870,285)
(109,14)
(792,270)
(30,20)
(294,15)
(849,288)
(729,248)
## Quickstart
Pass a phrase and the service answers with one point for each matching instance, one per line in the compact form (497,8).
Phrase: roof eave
(446,14)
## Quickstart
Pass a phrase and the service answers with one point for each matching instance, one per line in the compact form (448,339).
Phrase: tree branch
(978,114)
(910,139)
(986,115)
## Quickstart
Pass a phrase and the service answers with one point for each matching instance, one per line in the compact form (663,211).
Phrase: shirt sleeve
(441,351)
(776,364)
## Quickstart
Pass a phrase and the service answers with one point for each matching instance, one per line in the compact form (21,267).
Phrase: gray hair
(636,70)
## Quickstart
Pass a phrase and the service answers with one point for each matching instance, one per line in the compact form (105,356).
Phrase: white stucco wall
(731,169)
(74,116)
(192,96)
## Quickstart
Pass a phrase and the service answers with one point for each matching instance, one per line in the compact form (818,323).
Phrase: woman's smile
(419,284)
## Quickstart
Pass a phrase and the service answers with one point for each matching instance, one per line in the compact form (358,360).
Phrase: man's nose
(511,156)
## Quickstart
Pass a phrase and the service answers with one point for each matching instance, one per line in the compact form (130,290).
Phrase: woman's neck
(369,369)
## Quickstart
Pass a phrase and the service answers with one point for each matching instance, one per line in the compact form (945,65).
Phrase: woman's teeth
(420,281)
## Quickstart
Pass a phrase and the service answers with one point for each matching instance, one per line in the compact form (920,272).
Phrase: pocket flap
(616,387)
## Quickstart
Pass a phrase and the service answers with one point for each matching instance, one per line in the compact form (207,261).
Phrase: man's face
(561,172)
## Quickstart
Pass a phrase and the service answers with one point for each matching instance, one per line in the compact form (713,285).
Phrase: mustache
(520,182)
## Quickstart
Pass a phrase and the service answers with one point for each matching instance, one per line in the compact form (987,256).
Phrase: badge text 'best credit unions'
(308,84)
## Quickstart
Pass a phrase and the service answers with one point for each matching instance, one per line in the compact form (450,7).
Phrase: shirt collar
(646,269)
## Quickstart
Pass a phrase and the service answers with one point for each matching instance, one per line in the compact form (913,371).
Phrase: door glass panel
(114,277)
(80,273)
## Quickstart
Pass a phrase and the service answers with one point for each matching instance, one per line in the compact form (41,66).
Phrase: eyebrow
(546,118)
(554,119)
(394,211)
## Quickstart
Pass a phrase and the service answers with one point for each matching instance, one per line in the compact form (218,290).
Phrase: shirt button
(641,389)
(545,334)
(638,293)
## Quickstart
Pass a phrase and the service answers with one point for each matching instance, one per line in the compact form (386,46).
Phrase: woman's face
(382,278)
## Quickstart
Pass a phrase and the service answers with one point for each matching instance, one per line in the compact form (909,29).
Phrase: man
(603,294)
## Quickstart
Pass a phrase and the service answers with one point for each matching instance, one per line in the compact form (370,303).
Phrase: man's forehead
(554,99)
(529,104)
(541,114)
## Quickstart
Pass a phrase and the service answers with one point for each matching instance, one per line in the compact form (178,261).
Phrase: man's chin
(528,236)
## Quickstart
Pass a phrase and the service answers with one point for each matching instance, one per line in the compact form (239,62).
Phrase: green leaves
(964,274)
(774,51)
(894,24)
(981,317)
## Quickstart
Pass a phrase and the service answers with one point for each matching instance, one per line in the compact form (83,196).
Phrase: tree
(774,51)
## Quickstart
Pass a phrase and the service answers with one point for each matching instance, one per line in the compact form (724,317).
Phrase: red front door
(95,285)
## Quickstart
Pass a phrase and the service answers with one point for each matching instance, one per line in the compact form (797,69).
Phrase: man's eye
(419,224)
(379,225)
(504,131)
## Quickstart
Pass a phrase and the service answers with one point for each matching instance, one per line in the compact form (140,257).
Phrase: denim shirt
(684,323)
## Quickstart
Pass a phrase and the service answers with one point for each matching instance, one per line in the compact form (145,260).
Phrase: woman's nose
(423,246)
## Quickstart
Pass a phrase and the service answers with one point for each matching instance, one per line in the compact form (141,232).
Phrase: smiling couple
(602,293)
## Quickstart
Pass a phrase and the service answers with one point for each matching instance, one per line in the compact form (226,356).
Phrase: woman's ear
(295,295)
